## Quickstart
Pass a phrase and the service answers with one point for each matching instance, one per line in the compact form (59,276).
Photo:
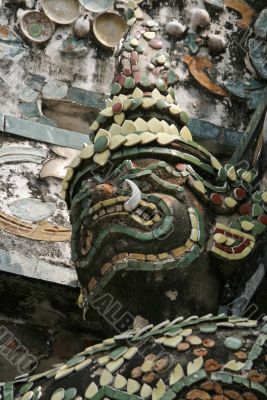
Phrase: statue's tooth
(134,200)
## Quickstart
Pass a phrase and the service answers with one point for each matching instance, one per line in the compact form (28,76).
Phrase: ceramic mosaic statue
(158,225)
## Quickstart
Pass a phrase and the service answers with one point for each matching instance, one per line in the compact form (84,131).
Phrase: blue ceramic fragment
(97,5)
(190,42)
(28,94)
(86,97)
(44,133)
(31,209)
(72,45)
(55,90)
(10,44)
(29,110)
(258,56)
(261,25)
(249,91)
(46,121)
(216,4)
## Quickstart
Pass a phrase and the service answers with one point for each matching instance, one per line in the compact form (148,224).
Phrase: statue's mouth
(133,230)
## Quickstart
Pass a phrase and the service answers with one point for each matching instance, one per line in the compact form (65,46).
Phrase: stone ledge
(16,263)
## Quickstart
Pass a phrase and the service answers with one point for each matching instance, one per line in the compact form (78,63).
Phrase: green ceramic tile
(259,388)
(87,98)
(179,386)
(242,380)
(255,352)
(208,328)
(258,228)
(2,122)
(169,395)
(29,110)
(43,133)
(196,377)
(115,88)
(222,377)
(191,43)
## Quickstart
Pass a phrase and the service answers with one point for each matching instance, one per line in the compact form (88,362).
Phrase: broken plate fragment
(61,11)
(31,209)
(10,44)
(109,28)
(36,27)
(97,6)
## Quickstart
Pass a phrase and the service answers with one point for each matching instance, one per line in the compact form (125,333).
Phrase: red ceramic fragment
(226,249)
(127,71)
(222,231)
(245,209)
(137,77)
(240,194)
(216,198)
(263,219)
(121,80)
(117,108)
(134,58)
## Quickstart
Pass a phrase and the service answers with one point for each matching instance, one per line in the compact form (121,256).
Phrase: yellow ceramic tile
(247,226)
(115,129)
(186,134)
(141,125)
(128,127)
(148,102)
(69,174)
(215,163)
(117,141)
(165,126)
(119,118)
(165,138)
(132,140)
(87,152)
(163,256)
(231,174)
(230,202)
(169,99)
(137,93)
(175,110)
(75,162)
(95,126)
(102,132)
(219,238)
(156,94)
(102,158)
(154,125)
(147,137)
(107,112)
(198,185)
(174,130)
(179,251)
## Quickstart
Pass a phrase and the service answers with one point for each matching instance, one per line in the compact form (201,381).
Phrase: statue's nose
(103,192)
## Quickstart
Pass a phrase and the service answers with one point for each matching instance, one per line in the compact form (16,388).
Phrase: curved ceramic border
(26,33)
(94,7)
(98,37)
(50,15)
